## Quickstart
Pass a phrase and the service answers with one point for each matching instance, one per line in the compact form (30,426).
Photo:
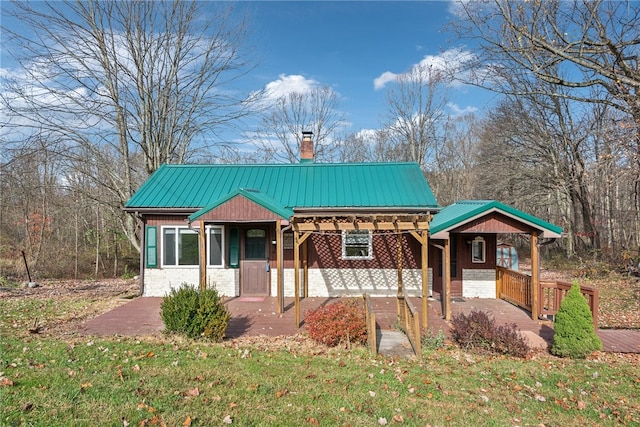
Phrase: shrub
(342,322)
(479,331)
(195,313)
(575,335)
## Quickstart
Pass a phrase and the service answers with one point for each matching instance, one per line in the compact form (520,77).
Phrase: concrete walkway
(251,317)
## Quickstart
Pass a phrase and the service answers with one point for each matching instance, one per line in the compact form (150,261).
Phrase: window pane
(215,246)
(255,244)
(477,250)
(356,244)
(188,247)
(169,246)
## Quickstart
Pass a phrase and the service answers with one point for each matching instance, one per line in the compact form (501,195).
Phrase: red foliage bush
(479,331)
(342,322)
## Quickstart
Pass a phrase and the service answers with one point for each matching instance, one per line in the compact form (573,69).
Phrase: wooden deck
(258,316)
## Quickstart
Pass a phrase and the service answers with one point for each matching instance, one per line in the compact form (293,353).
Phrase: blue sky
(348,45)
(354,47)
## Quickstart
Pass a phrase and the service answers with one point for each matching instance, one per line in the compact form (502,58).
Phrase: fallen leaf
(192,392)
(398,418)
(4,381)
(382,421)
(187,422)
(227,420)
(581,405)
(281,393)
(313,421)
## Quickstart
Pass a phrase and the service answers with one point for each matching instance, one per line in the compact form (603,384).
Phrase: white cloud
(288,84)
(451,62)
(386,77)
(457,111)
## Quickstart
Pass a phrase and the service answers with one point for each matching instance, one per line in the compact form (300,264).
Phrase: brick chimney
(306,147)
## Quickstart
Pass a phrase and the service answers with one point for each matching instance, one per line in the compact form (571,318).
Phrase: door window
(255,243)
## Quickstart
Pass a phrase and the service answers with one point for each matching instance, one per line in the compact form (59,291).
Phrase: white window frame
(478,245)
(222,246)
(177,229)
(369,255)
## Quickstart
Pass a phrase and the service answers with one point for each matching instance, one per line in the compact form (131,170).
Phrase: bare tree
(283,122)
(125,85)
(454,174)
(590,48)
(416,112)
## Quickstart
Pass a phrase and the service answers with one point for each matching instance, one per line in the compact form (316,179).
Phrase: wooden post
(305,268)
(297,242)
(296,276)
(446,298)
(535,275)
(400,288)
(424,252)
(202,239)
(279,268)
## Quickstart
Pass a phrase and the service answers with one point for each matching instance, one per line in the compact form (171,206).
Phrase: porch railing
(552,294)
(371,325)
(514,287)
(410,320)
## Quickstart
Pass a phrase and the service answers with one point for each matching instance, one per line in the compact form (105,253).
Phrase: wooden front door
(254,266)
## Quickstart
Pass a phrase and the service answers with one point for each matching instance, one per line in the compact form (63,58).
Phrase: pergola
(306,222)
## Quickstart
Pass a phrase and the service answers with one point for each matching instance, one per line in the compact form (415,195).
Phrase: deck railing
(371,325)
(514,287)
(410,320)
(552,294)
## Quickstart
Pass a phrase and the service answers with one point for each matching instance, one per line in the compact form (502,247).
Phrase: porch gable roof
(283,187)
(255,196)
(464,211)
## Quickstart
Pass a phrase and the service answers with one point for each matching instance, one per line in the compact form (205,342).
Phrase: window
(356,244)
(180,246)
(216,245)
(254,243)
(478,250)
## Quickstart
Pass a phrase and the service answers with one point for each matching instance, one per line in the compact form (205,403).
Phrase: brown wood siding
(325,251)
(494,223)
(240,209)
(158,220)
(464,252)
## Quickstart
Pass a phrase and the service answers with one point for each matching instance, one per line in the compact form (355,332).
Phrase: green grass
(50,380)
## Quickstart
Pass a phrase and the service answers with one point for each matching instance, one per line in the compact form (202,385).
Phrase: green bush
(342,322)
(479,331)
(195,313)
(575,335)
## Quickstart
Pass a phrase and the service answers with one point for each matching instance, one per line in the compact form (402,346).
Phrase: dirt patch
(78,301)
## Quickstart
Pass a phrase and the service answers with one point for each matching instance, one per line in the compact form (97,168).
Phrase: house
(312,229)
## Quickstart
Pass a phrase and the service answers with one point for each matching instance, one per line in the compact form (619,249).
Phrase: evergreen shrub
(343,322)
(195,313)
(575,336)
(479,331)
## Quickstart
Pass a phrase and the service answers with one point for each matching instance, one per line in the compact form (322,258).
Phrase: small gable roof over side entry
(465,211)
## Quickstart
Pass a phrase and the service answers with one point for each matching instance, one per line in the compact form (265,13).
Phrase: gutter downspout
(143,249)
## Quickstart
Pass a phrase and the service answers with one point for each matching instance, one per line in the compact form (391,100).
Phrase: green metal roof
(463,211)
(283,187)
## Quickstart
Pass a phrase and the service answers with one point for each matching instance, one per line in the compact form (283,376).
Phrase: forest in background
(562,142)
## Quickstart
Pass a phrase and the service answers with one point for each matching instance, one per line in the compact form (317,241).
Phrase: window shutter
(234,247)
(151,239)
